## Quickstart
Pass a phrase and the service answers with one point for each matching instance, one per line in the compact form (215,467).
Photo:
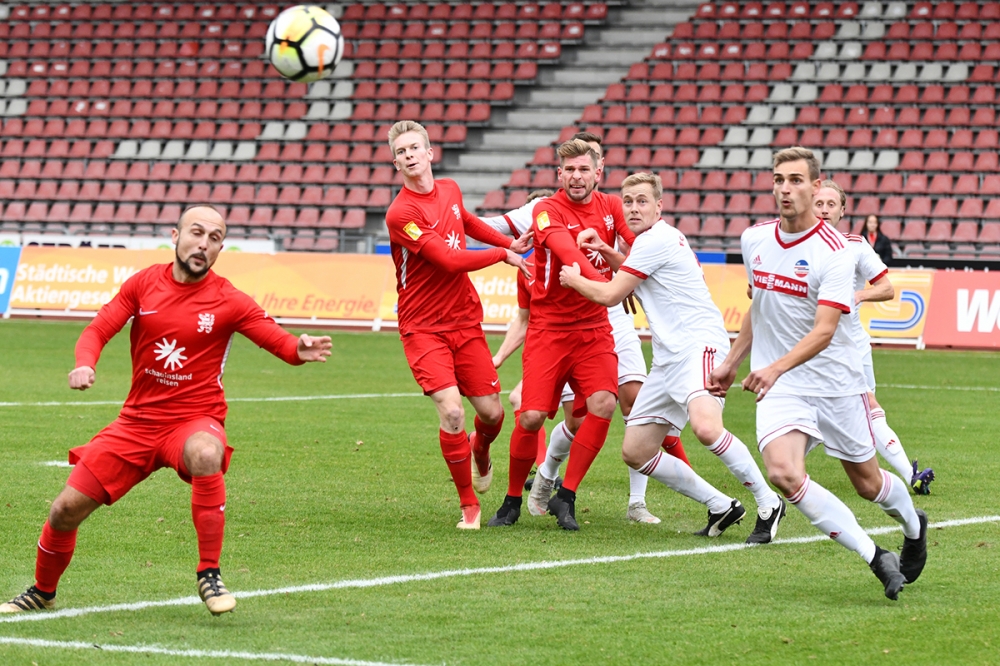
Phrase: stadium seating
(898,99)
(110,110)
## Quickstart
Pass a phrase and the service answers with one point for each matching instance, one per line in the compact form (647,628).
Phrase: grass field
(353,488)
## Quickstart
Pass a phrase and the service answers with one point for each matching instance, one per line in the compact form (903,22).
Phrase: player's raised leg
(487,425)
(204,457)
(891,449)
(456,450)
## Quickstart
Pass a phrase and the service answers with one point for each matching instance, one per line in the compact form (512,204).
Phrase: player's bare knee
(632,456)
(203,454)
(707,431)
(785,479)
(868,488)
(602,404)
(532,420)
(68,510)
(491,412)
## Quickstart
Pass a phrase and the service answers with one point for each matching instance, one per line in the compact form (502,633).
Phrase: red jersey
(427,239)
(524,284)
(181,334)
(557,222)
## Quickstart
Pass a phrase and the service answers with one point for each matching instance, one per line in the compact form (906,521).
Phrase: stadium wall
(932,308)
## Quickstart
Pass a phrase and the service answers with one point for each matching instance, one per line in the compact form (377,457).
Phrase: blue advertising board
(9,257)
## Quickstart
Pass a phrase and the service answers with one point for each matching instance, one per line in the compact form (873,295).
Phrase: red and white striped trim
(886,487)
(831,236)
(632,271)
(797,496)
(846,309)
(723,444)
(707,364)
(649,467)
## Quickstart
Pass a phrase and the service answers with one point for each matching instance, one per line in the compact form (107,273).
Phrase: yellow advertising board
(905,315)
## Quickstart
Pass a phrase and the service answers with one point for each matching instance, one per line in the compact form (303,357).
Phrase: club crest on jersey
(542,220)
(206,322)
(609,221)
(412,230)
(801,268)
(458,215)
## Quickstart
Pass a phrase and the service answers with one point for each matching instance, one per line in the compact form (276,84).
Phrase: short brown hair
(832,184)
(590,137)
(643,178)
(404,126)
(199,205)
(576,148)
(538,194)
(799,153)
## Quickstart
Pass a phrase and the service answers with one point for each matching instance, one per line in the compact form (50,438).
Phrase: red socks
(586,445)
(523,449)
(55,550)
(456,451)
(487,433)
(542,440)
(208,504)
(673,446)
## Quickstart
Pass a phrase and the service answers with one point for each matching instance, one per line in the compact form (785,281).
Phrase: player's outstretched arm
(514,337)
(824,326)
(880,290)
(81,378)
(724,374)
(605,293)
(517,261)
(314,349)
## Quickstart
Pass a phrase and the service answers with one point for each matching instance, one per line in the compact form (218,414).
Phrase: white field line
(453,573)
(367,396)
(209,654)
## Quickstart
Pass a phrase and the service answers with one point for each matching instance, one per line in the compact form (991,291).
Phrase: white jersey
(516,222)
(791,276)
(868,267)
(682,315)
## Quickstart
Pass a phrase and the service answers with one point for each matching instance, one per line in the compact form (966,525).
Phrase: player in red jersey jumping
(183,319)
(440,315)
(569,338)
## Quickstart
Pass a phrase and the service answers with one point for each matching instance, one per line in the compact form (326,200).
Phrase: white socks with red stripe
(559,442)
(674,474)
(832,517)
(889,446)
(894,498)
(735,455)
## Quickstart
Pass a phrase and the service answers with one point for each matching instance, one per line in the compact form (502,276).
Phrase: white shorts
(631,362)
(669,388)
(869,368)
(843,424)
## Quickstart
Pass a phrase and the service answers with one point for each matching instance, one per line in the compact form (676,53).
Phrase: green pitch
(330,490)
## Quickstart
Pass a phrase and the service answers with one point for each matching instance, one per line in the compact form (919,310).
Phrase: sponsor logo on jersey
(801,268)
(542,220)
(205,322)
(171,355)
(454,242)
(412,230)
(780,284)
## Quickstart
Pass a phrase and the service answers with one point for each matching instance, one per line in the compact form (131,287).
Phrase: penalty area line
(453,573)
(207,654)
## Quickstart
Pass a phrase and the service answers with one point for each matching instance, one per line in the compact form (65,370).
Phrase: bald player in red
(440,315)
(183,316)
(569,338)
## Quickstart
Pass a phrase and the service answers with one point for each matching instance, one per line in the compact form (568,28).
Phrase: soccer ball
(304,43)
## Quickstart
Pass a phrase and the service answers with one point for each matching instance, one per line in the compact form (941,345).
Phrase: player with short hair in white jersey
(631,374)
(806,372)
(689,336)
(869,268)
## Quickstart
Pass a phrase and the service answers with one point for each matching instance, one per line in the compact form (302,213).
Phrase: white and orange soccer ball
(304,43)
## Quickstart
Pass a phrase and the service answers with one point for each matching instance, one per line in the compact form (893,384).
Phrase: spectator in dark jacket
(879,241)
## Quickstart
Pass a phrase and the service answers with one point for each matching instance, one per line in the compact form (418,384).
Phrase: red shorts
(129,450)
(584,358)
(452,358)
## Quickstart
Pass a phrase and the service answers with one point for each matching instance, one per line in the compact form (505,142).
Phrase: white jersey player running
(869,268)
(807,374)
(688,338)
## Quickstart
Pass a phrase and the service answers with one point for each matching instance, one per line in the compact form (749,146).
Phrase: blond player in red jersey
(183,319)
(439,311)
(568,338)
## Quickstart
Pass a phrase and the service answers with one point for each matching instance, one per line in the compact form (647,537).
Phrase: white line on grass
(435,575)
(55,463)
(210,654)
(367,396)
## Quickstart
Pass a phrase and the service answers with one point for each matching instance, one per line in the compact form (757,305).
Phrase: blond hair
(404,126)
(836,188)
(643,178)
(576,148)
(538,194)
(799,153)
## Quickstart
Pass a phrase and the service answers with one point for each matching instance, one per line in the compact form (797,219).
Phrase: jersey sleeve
(484,233)
(646,256)
(408,228)
(109,320)
(836,284)
(523,291)
(501,223)
(263,331)
(870,265)
(746,247)
(437,252)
